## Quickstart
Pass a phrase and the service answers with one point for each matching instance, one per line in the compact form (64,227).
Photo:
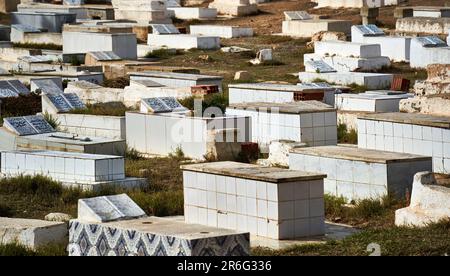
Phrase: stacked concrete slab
(221,31)
(371,101)
(234,7)
(397,48)
(144,11)
(349,56)
(423,20)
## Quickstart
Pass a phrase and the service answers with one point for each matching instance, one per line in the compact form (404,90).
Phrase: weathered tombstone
(109,208)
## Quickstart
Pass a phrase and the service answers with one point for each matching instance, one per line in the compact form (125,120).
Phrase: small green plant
(346,136)
(14,249)
(133,154)
(162,53)
(177,153)
(74,61)
(46,46)
(51,120)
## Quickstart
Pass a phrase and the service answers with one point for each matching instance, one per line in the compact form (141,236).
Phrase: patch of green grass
(14,249)
(358,88)
(364,213)
(104,109)
(433,240)
(51,120)
(163,53)
(347,136)
(46,46)
(121,82)
(213,100)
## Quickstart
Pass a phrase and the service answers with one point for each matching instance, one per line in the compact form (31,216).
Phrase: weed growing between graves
(117,82)
(433,240)
(347,136)
(367,213)
(213,100)
(20,250)
(29,105)
(162,53)
(104,109)
(51,120)
(43,46)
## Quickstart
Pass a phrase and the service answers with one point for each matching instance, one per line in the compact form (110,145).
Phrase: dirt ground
(271,14)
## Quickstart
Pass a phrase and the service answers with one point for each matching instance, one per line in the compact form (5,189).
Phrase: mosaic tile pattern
(86,239)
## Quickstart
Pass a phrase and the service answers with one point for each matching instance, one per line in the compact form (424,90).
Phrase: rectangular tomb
(307,28)
(177,79)
(357,174)
(310,122)
(408,133)
(221,31)
(370,80)
(279,93)
(32,233)
(153,236)
(184,41)
(198,137)
(372,101)
(269,202)
(86,171)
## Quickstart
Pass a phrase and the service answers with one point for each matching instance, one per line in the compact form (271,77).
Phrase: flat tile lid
(358,154)
(171,227)
(410,118)
(171,75)
(62,154)
(277,87)
(253,172)
(17,223)
(290,108)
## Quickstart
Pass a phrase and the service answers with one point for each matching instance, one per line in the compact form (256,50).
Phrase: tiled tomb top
(410,118)
(279,87)
(61,154)
(253,172)
(65,138)
(289,108)
(170,227)
(145,83)
(171,75)
(357,154)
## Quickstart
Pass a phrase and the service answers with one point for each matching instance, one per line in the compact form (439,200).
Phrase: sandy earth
(271,16)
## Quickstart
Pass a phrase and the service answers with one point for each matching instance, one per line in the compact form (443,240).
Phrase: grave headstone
(370,30)
(65,102)
(108,208)
(162,105)
(28,125)
(47,86)
(162,29)
(297,15)
(318,66)
(15,86)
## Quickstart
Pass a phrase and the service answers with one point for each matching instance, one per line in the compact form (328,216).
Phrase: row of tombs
(226,203)
(228,206)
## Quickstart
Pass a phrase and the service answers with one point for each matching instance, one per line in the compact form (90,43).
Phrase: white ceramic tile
(316,207)
(262,227)
(231,185)
(286,210)
(261,208)
(251,188)
(211,182)
(221,202)
(261,190)
(301,228)
(302,190)
(241,205)
(241,187)
(252,207)
(231,203)
(252,225)
(212,218)
(212,200)
(202,216)
(220,183)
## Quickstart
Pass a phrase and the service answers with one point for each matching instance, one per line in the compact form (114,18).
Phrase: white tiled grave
(198,137)
(397,48)
(371,101)
(221,31)
(184,41)
(177,79)
(33,132)
(408,133)
(310,122)
(428,50)
(357,174)
(307,28)
(370,80)
(277,93)
(268,202)
(347,56)
(86,171)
